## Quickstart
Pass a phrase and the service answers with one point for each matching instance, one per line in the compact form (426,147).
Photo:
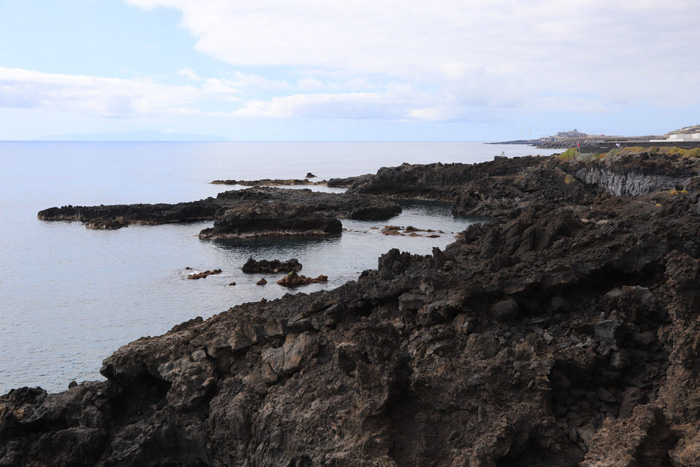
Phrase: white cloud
(355,105)
(401,60)
(492,53)
(311,84)
(223,88)
(189,73)
(110,97)
(396,102)
(250,80)
(101,96)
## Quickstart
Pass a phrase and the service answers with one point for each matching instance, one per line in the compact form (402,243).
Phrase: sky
(364,70)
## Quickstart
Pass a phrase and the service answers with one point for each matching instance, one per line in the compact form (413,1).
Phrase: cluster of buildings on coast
(688,137)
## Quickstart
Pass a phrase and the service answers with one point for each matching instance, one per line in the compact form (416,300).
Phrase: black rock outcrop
(254,219)
(563,335)
(256,211)
(265,266)
(115,216)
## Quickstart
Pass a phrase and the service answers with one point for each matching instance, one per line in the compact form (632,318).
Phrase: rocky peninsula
(562,332)
(253,212)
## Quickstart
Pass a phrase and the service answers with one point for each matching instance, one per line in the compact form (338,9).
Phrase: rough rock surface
(271,266)
(255,219)
(242,204)
(204,274)
(637,174)
(269,182)
(121,215)
(564,335)
(341,205)
(294,280)
(501,188)
(348,181)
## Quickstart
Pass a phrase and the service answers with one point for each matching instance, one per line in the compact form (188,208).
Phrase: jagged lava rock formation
(274,266)
(241,213)
(561,333)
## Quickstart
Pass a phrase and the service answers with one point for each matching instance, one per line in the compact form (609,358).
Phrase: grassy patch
(664,150)
(568,154)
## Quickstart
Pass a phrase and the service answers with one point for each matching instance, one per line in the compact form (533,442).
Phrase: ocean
(70,296)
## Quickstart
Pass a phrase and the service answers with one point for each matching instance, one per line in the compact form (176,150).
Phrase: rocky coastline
(252,212)
(561,332)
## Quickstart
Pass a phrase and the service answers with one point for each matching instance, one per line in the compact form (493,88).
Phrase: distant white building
(679,137)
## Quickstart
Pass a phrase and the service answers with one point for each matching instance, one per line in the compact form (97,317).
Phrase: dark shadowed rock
(252,219)
(260,211)
(349,181)
(267,182)
(264,266)
(505,310)
(111,217)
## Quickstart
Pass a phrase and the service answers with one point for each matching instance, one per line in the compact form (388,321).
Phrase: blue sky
(371,70)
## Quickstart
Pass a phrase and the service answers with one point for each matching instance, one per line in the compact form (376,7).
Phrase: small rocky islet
(563,331)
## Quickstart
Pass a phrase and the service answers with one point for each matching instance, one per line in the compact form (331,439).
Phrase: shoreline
(510,314)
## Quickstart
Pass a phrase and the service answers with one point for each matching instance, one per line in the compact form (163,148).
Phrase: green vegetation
(664,150)
(574,154)
(568,154)
(695,152)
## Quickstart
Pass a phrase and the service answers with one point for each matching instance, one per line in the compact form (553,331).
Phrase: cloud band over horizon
(504,62)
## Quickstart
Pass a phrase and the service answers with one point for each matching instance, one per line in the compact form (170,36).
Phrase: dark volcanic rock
(437,181)
(204,274)
(271,267)
(349,206)
(565,335)
(106,224)
(349,181)
(115,216)
(294,280)
(244,204)
(636,174)
(268,182)
(500,188)
(253,219)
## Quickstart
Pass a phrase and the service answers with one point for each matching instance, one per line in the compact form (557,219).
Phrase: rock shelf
(251,212)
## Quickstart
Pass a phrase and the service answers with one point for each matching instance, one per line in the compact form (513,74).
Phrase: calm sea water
(70,296)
